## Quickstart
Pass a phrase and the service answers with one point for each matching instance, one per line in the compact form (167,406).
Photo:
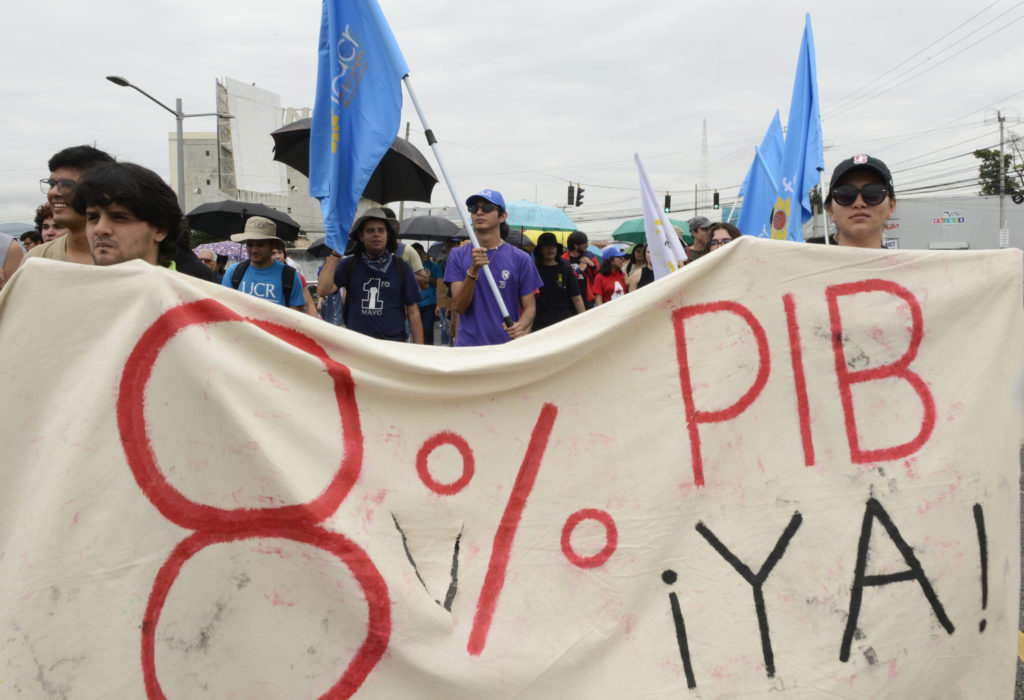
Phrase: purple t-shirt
(516,276)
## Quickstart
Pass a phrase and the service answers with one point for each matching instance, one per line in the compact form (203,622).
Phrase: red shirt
(610,286)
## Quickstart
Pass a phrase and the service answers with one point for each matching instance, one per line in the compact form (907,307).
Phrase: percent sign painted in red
(505,536)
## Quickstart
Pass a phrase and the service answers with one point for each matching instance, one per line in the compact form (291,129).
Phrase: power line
(873,82)
(930,65)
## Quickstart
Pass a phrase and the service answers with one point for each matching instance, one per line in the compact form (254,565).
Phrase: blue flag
(760,187)
(358,108)
(803,156)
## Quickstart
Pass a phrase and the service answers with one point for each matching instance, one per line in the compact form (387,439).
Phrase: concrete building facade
(237,161)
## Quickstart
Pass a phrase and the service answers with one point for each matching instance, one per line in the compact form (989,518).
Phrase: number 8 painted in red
(298,522)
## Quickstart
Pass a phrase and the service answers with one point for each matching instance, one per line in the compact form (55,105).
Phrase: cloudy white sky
(526,96)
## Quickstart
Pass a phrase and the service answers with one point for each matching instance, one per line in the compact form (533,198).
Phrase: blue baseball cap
(613,251)
(492,196)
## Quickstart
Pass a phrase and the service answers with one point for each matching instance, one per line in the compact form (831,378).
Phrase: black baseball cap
(862,162)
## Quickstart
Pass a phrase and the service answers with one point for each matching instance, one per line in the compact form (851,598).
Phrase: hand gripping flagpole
(458,202)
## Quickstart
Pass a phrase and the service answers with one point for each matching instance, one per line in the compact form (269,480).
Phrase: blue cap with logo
(613,251)
(492,196)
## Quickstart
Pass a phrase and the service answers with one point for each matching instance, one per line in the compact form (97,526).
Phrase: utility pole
(695,200)
(1002,172)
(401,205)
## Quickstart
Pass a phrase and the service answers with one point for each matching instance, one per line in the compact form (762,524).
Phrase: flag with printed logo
(802,157)
(760,188)
(667,252)
(357,110)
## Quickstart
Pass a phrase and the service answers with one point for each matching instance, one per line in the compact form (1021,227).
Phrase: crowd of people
(103,212)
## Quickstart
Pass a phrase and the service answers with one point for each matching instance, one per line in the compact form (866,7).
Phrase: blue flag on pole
(358,108)
(803,156)
(760,188)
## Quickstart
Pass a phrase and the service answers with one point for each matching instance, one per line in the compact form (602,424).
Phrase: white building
(237,161)
(954,223)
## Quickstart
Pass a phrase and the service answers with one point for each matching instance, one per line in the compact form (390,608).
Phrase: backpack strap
(287,282)
(239,273)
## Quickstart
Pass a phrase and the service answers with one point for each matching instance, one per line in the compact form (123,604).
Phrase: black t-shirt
(188,263)
(554,301)
(646,277)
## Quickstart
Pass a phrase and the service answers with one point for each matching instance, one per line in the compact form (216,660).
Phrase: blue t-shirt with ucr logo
(266,283)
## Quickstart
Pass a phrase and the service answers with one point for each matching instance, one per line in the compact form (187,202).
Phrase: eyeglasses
(718,241)
(485,207)
(873,194)
(63,186)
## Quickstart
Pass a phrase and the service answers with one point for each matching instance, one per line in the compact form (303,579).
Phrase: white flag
(667,252)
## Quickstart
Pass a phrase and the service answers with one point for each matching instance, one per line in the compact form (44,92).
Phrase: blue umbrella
(530,215)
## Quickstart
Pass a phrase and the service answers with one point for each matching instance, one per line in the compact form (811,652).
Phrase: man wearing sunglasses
(66,168)
(860,199)
(514,273)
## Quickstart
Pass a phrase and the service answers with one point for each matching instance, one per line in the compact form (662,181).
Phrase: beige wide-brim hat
(375,213)
(257,228)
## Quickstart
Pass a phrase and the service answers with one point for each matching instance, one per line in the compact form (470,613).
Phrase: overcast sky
(526,96)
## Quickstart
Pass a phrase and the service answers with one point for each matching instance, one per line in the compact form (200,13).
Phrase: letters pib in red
(847,378)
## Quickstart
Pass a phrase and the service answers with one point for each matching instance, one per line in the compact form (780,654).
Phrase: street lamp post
(179,116)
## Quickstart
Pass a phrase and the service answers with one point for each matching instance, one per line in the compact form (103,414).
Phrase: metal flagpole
(824,219)
(458,202)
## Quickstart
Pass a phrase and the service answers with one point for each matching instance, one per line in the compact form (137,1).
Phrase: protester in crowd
(449,318)
(186,261)
(428,297)
(130,214)
(700,230)
(30,239)
(610,282)
(721,234)
(559,297)
(641,276)
(379,290)
(10,257)
(636,259)
(280,254)
(66,169)
(584,264)
(516,276)
(328,305)
(45,225)
(410,256)
(861,197)
(209,259)
(262,276)
(444,295)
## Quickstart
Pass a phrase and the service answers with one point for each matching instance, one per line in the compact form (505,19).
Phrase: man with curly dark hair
(130,213)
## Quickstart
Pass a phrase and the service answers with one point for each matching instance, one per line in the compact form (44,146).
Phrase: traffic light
(572,196)
(714,203)
(668,203)
(579,194)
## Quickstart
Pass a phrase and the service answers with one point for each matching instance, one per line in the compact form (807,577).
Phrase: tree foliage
(988,172)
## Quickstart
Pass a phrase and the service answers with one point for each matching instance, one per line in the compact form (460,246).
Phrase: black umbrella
(436,251)
(518,239)
(221,219)
(428,228)
(318,248)
(403,174)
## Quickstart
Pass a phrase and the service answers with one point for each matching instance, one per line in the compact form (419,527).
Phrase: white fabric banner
(785,469)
